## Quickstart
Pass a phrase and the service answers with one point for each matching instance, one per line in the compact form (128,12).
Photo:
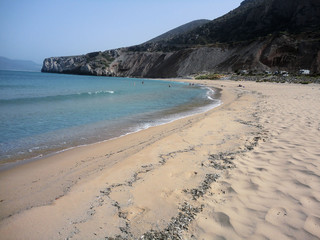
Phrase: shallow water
(42,113)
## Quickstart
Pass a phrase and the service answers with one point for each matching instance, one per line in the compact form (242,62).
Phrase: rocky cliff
(259,35)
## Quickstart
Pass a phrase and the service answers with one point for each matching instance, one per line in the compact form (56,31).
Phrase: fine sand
(248,169)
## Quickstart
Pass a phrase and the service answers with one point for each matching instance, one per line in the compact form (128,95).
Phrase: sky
(36,29)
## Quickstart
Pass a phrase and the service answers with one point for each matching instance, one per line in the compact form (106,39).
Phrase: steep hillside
(184,29)
(259,35)
(254,19)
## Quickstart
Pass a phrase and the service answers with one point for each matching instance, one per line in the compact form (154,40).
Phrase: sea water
(41,113)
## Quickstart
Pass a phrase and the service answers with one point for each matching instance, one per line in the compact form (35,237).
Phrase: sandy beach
(248,169)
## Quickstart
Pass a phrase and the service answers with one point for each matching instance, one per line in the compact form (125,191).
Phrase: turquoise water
(42,113)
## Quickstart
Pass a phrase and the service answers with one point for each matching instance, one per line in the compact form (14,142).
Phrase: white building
(304,71)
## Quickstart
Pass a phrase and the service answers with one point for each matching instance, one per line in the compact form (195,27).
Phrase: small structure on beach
(284,73)
(244,72)
(304,71)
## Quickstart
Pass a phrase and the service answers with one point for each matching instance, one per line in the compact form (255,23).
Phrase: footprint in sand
(309,202)
(312,225)
(135,212)
(223,219)
(276,215)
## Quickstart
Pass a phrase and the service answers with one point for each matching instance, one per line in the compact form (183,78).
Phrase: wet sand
(248,169)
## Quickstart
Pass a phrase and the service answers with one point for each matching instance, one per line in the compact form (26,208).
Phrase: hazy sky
(35,29)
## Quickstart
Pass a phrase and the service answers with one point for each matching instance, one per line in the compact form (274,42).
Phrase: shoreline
(243,169)
(55,158)
(12,162)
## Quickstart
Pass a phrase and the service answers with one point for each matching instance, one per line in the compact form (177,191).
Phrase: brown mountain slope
(259,35)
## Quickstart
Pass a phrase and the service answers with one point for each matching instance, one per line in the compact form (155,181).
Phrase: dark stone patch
(222,161)
(177,224)
(203,188)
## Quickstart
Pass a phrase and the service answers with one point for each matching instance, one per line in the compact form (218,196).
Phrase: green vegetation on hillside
(210,76)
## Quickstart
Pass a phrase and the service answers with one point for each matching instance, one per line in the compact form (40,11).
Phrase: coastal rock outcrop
(95,63)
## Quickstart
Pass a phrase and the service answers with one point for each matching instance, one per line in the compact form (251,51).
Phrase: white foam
(96,92)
